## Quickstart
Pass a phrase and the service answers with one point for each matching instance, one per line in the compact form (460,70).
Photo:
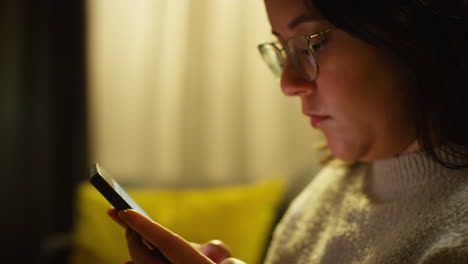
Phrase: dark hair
(430,38)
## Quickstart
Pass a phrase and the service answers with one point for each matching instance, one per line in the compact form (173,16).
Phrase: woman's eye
(319,45)
(316,47)
(304,52)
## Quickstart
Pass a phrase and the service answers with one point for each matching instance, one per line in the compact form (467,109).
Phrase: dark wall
(43,127)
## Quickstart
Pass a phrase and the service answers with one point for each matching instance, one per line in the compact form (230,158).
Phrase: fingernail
(215,242)
(124,215)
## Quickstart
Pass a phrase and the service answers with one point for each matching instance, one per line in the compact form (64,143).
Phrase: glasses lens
(301,57)
(272,56)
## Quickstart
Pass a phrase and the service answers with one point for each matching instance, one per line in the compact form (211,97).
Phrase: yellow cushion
(242,216)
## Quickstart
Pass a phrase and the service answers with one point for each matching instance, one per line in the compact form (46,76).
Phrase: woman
(386,82)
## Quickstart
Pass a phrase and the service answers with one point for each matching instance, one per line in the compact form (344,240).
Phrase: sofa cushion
(242,216)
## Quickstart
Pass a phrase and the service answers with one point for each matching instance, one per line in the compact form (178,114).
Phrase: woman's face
(357,100)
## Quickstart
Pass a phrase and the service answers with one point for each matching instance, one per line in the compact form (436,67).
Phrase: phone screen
(118,197)
(112,191)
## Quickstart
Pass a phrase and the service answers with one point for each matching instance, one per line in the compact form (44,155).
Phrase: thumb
(232,261)
(216,250)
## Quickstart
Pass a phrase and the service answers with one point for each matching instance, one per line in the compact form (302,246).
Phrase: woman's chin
(343,151)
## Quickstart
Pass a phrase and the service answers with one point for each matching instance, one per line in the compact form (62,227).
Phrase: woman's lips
(315,120)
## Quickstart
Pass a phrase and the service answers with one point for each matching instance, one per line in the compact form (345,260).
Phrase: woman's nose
(293,82)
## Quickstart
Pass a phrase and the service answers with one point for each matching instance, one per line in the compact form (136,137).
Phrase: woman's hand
(215,250)
(141,233)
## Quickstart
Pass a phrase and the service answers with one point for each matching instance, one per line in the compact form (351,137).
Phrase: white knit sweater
(401,210)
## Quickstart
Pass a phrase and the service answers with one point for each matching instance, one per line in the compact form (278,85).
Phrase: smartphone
(112,191)
(118,198)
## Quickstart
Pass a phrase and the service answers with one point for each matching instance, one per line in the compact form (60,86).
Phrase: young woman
(386,82)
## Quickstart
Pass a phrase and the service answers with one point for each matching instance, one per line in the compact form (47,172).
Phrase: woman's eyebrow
(302,19)
(299,20)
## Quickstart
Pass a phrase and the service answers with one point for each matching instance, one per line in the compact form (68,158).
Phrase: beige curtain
(179,95)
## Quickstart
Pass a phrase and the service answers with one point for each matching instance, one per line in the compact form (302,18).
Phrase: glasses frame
(284,52)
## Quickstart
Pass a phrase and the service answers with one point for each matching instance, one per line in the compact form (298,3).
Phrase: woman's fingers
(138,251)
(216,250)
(173,247)
(167,242)
(114,214)
(232,261)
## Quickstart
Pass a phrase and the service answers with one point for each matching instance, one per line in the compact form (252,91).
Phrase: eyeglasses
(300,50)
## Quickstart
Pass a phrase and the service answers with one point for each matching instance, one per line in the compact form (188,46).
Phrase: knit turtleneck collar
(406,174)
